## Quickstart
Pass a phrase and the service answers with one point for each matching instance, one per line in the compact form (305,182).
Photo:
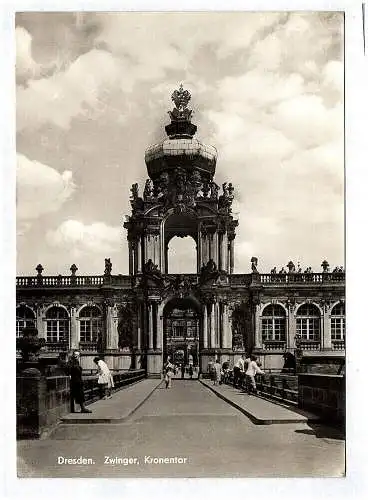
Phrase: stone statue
(148,190)
(214,191)
(151,269)
(273,270)
(254,262)
(291,267)
(206,189)
(134,190)
(108,267)
(325,266)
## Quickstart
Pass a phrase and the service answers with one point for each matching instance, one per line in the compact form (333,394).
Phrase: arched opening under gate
(181,336)
(182,255)
(180,235)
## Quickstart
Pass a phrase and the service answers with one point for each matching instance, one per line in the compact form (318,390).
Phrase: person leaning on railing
(251,372)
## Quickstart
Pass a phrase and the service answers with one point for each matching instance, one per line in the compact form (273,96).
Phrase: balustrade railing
(72,281)
(274,345)
(125,281)
(295,278)
(338,345)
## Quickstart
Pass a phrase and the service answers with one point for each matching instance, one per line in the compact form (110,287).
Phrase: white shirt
(253,368)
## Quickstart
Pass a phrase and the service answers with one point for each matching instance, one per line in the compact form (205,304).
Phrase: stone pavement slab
(121,405)
(259,410)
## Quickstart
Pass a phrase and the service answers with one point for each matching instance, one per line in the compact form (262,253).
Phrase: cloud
(40,189)
(78,91)
(26,66)
(80,239)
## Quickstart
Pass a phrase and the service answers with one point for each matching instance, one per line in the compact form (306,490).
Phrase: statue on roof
(181,99)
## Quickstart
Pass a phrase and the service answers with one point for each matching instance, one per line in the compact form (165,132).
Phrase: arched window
(90,323)
(338,322)
(25,318)
(274,323)
(308,322)
(57,325)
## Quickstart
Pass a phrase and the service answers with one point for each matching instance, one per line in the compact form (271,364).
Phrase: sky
(93,91)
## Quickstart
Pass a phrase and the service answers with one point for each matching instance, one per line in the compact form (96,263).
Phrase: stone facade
(143,314)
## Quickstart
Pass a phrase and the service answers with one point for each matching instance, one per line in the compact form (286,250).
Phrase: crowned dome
(180,148)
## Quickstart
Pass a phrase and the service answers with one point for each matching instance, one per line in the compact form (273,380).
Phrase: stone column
(217,325)
(160,329)
(205,257)
(139,326)
(258,326)
(150,326)
(326,341)
(40,323)
(130,257)
(139,253)
(205,326)
(212,325)
(74,330)
(291,328)
(112,336)
(231,256)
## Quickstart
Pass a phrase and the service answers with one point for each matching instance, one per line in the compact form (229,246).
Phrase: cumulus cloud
(26,66)
(80,238)
(76,91)
(40,189)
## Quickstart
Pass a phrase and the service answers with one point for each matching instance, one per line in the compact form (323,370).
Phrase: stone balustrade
(125,280)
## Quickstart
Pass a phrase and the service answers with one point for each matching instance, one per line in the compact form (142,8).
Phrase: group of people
(73,368)
(244,368)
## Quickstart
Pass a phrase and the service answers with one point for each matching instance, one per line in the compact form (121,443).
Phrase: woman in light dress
(105,379)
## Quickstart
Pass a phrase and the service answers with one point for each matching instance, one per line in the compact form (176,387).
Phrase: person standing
(105,379)
(239,371)
(169,372)
(74,370)
(251,372)
(216,372)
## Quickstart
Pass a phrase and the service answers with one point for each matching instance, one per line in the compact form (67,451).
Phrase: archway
(182,255)
(181,336)
(180,225)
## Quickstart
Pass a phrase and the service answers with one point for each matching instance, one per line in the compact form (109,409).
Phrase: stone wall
(41,401)
(323,394)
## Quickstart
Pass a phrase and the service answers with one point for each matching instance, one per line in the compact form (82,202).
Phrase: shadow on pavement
(323,431)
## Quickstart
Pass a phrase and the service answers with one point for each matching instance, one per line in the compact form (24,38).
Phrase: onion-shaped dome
(180,151)
(181,148)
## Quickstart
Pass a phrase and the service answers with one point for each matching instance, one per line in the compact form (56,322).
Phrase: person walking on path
(251,372)
(239,370)
(105,380)
(216,372)
(74,370)
(169,372)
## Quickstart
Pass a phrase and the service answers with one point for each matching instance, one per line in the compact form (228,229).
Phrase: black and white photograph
(180,244)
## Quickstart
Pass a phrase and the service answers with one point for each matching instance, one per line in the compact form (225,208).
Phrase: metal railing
(121,379)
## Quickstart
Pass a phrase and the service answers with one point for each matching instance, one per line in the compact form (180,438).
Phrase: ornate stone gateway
(180,198)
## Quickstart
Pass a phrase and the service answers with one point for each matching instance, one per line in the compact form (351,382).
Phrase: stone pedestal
(154,364)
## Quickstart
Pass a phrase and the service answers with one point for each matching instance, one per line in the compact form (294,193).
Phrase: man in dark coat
(74,370)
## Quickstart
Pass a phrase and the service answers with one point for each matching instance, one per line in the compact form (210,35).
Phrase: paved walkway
(121,405)
(186,431)
(259,410)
